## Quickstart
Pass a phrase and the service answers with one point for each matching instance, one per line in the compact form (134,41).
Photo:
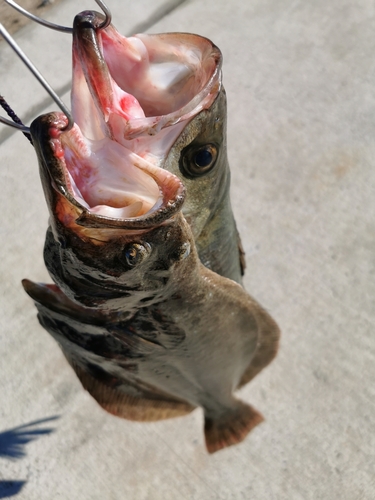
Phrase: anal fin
(231,428)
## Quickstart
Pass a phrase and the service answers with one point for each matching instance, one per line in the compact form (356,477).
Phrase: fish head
(199,159)
(116,226)
(161,96)
(115,241)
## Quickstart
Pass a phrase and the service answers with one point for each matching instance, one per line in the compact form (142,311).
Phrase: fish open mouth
(131,98)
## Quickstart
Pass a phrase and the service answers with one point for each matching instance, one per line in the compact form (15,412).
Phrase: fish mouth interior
(162,72)
(131,98)
(107,179)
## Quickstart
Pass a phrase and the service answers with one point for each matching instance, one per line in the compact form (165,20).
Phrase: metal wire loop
(22,128)
(39,77)
(57,27)
(32,68)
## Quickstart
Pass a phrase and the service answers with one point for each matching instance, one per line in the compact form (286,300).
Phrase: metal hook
(41,80)
(57,27)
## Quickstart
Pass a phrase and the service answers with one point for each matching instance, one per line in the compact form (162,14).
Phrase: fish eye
(135,253)
(203,158)
(196,162)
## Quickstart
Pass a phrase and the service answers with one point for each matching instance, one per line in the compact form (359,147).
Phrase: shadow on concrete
(13,441)
(10,488)
(12,446)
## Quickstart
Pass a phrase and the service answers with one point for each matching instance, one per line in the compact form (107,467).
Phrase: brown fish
(162,97)
(150,331)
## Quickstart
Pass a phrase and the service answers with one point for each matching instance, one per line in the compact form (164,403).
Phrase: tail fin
(231,428)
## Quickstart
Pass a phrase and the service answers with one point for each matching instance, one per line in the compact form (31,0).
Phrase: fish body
(150,331)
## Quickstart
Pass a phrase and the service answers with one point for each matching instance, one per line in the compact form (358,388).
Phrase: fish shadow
(12,446)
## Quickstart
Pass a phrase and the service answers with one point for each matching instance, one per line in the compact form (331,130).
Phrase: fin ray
(232,428)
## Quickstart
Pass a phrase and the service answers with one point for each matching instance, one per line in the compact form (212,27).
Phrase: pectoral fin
(51,297)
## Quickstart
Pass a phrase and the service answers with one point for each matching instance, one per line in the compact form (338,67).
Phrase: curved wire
(23,128)
(57,27)
(32,68)
(38,76)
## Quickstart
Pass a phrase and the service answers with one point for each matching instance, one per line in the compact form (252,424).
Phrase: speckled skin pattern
(150,331)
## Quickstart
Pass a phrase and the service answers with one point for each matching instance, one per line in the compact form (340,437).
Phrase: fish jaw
(101,184)
(142,85)
(88,254)
(107,70)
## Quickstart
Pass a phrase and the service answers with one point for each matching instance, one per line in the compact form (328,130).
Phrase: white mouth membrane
(153,86)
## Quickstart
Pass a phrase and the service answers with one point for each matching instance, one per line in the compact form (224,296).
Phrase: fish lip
(46,131)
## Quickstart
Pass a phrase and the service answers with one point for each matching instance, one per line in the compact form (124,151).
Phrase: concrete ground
(300,78)
(12,20)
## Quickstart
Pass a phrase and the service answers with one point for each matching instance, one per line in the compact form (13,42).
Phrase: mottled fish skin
(150,332)
(207,207)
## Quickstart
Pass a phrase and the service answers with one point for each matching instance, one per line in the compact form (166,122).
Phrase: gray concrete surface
(300,78)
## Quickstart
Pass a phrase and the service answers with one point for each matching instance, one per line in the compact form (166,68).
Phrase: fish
(179,117)
(150,331)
